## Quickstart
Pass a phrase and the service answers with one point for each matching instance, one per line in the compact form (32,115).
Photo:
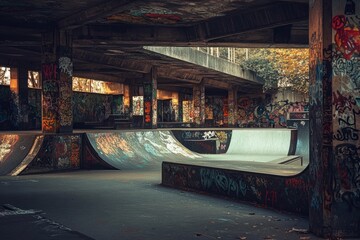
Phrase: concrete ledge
(289,190)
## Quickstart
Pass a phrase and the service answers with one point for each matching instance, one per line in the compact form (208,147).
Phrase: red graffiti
(172,17)
(347,38)
(49,71)
(295,183)
(270,197)
(147,111)
(342,103)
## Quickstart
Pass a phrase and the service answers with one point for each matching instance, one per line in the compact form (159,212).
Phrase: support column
(150,99)
(334,118)
(57,70)
(181,111)
(233,106)
(199,104)
(19,97)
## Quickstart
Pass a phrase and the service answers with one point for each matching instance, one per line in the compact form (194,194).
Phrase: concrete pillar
(150,99)
(19,97)
(181,111)
(334,118)
(56,71)
(199,104)
(233,106)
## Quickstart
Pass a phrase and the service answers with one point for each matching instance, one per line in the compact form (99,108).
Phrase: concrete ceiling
(108,35)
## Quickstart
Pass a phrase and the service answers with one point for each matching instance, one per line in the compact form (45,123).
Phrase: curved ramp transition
(17,151)
(138,150)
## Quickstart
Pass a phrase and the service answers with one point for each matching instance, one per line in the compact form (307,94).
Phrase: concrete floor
(106,205)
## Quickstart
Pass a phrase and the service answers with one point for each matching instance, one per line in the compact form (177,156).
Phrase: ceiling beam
(115,62)
(99,76)
(85,16)
(269,16)
(179,75)
(129,34)
(215,83)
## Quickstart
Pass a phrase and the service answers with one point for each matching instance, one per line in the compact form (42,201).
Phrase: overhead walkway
(208,61)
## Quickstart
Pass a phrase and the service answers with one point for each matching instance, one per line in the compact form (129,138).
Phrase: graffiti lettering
(49,71)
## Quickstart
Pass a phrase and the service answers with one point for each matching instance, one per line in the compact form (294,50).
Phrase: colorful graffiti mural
(147,14)
(254,112)
(57,153)
(334,116)
(91,107)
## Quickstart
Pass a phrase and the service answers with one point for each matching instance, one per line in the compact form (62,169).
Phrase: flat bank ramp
(127,150)
(17,151)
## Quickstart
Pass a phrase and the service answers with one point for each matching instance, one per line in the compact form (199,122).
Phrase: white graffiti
(66,65)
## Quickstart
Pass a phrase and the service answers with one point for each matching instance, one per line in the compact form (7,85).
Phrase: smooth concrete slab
(113,205)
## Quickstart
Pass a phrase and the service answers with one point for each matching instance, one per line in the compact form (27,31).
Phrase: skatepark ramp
(255,145)
(127,150)
(17,151)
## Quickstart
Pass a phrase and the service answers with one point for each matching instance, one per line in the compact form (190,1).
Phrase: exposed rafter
(92,14)
(116,62)
(98,76)
(272,15)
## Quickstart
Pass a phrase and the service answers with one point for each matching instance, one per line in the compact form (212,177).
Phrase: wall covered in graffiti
(259,112)
(284,193)
(58,152)
(334,118)
(345,53)
(212,141)
(91,107)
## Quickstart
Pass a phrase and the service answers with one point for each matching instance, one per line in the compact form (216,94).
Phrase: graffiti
(270,198)
(254,113)
(209,134)
(65,102)
(91,107)
(347,178)
(315,202)
(267,190)
(147,111)
(347,37)
(212,177)
(199,104)
(342,103)
(150,104)
(346,134)
(66,66)
(49,71)
(57,153)
(205,141)
(343,67)
(157,15)
(299,115)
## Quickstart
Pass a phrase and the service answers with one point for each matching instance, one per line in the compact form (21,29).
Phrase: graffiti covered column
(150,99)
(56,71)
(233,106)
(334,118)
(19,97)
(199,104)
